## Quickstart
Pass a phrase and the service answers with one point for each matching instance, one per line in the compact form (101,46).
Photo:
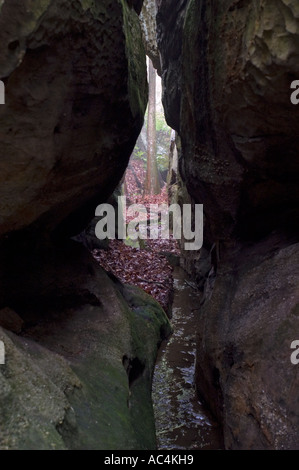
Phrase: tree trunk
(152,183)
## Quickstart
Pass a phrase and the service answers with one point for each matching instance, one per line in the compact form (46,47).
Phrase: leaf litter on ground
(147,266)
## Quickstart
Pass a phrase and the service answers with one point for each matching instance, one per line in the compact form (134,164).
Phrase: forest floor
(146,266)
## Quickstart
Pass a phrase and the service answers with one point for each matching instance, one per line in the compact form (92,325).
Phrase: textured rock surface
(76,93)
(149,33)
(191,262)
(227,68)
(79,347)
(79,376)
(170,18)
(238,126)
(246,327)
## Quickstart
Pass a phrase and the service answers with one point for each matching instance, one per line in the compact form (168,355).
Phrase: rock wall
(78,375)
(227,68)
(79,347)
(149,33)
(76,92)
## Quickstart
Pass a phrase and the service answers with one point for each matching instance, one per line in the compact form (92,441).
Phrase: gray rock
(227,69)
(246,328)
(80,375)
(76,92)
(149,32)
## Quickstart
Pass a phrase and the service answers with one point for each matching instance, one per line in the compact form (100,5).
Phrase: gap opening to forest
(147,263)
(154,266)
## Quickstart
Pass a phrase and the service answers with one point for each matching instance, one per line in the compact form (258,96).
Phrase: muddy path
(182,422)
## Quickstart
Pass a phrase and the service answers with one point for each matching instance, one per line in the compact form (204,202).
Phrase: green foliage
(162,161)
(161,124)
(163,141)
(139,154)
(163,132)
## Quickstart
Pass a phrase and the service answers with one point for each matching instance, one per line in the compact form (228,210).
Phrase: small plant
(139,154)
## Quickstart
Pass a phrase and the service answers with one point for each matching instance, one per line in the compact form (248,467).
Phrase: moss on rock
(81,378)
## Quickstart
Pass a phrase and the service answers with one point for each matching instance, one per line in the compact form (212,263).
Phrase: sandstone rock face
(79,347)
(170,18)
(227,92)
(76,93)
(245,330)
(79,376)
(148,26)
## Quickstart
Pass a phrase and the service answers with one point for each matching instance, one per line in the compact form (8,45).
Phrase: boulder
(149,33)
(76,93)
(79,376)
(245,330)
(227,69)
(78,355)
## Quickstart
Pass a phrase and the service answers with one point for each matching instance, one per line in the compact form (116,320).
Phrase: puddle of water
(182,422)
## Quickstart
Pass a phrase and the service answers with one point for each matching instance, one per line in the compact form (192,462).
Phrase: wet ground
(182,422)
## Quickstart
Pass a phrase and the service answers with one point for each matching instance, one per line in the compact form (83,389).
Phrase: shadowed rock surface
(76,93)
(149,33)
(227,68)
(79,376)
(79,347)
